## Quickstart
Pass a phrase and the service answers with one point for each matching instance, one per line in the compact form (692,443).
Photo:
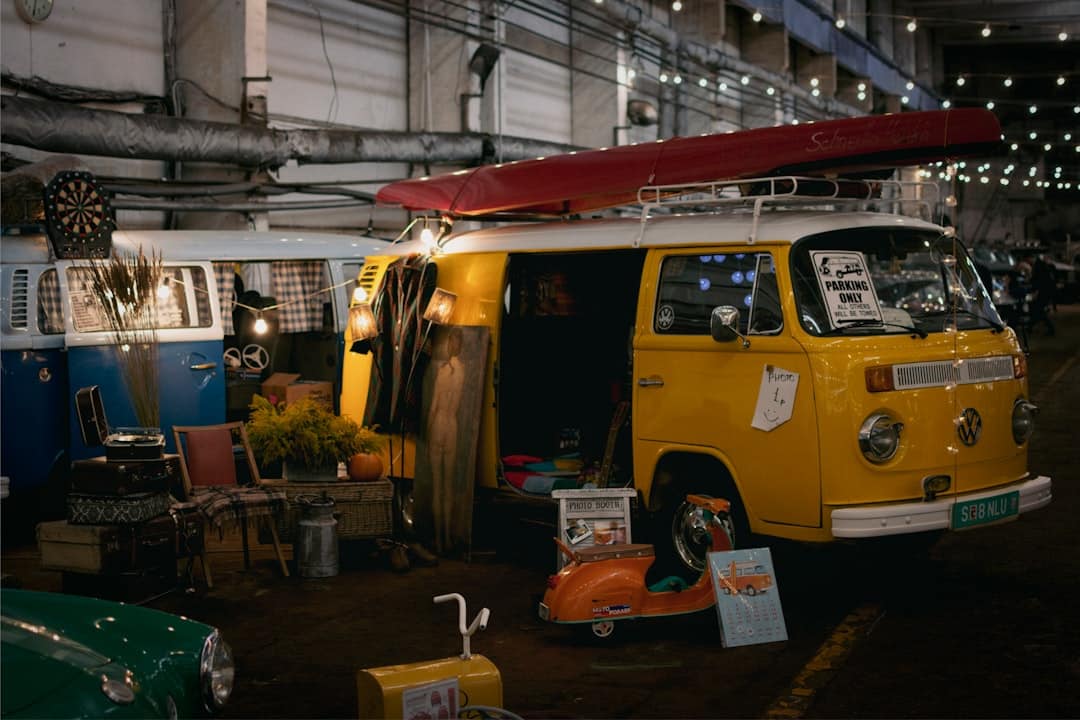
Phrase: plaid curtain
(50,310)
(225,273)
(296,285)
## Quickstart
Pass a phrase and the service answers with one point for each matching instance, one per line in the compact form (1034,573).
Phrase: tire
(682,539)
(751,590)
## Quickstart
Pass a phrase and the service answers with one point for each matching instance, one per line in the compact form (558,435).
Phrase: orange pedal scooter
(605,583)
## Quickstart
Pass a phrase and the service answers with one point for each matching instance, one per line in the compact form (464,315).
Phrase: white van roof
(672,230)
(215,245)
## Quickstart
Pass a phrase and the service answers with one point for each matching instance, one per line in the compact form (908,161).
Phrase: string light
(990,105)
(260,324)
(960,81)
(910,85)
(840,22)
(1033,109)
(946,104)
(745,80)
(1061,80)
(1007,82)
(912,26)
(677,79)
(1063,36)
(676,6)
(986,30)
(756,17)
(702,82)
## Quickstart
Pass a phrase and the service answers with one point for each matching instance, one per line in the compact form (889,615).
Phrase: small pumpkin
(365,467)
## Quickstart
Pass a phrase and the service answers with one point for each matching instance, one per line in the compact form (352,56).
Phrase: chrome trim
(866,434)
(913,517)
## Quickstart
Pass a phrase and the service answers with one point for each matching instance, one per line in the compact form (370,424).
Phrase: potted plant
(307,438)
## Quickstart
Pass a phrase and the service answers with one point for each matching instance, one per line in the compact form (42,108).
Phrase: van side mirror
(724,325)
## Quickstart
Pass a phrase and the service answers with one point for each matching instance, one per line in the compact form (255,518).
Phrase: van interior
(565,364)
(305,344)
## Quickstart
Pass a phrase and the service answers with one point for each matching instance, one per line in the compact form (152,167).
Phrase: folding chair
(208,466)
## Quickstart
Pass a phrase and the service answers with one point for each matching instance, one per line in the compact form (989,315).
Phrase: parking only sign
(846,286)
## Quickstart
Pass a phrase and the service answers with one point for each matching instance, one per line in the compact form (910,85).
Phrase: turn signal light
(1019,366)
(879,379)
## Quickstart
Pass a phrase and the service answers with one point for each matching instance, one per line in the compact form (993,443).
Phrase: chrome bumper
(879,520)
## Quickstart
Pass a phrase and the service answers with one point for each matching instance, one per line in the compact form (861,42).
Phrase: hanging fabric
(225,273)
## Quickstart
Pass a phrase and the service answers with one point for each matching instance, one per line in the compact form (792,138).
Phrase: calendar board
(747,597)
(593,517)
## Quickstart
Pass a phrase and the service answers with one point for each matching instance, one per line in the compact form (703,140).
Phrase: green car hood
(75,637)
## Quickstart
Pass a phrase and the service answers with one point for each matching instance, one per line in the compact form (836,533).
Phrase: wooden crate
(365,509)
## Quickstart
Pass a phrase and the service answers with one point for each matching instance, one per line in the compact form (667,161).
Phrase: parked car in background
(67,656)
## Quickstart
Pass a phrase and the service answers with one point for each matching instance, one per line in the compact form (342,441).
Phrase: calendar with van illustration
(747,597)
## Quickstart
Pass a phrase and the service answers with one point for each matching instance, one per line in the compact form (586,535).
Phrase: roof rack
(787,192)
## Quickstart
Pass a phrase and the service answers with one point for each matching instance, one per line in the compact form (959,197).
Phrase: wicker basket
(365,509)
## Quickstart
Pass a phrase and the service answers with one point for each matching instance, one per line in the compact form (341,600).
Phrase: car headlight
(216,672)
(1023,420)
(879,437)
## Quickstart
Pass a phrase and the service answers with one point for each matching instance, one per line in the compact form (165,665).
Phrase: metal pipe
(56,127)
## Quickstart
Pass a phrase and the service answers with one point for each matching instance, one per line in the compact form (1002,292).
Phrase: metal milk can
(316,536)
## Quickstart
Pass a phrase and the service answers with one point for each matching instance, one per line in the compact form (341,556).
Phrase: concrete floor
(986,627)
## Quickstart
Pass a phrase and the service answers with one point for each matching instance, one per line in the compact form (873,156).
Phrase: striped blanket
(223,504)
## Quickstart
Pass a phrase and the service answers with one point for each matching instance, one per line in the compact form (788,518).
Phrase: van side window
(50,309)
(692,285)
(186,291)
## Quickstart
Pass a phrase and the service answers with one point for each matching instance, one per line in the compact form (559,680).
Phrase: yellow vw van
(835,372)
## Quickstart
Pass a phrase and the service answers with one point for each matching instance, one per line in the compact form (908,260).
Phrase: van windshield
(886,280)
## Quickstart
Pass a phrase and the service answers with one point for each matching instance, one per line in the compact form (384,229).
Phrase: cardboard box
(286,387)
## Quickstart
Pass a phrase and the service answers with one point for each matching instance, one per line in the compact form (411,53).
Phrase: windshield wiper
(995,325)
(867,322)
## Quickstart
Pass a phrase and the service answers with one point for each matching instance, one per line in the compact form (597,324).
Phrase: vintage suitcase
(97,476)
(85,509)
(123,443)
(109,549)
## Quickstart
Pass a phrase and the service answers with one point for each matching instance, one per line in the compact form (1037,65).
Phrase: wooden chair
(208,462)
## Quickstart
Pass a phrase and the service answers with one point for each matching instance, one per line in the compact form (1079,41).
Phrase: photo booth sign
(593,517)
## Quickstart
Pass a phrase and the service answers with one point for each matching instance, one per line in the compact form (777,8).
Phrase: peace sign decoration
(77,216)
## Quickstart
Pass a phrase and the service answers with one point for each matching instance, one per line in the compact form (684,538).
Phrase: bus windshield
(888,280)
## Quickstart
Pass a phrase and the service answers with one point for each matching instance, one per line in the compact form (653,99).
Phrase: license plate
(545,611)
(971,513)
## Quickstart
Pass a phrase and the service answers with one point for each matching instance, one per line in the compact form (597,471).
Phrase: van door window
(183,287)
(50,309)
(692,285)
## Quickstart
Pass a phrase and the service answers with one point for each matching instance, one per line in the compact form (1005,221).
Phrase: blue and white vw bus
(211,359)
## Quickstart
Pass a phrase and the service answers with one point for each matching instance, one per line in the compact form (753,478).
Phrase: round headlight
(1023,420)
(216,672)
(879,437)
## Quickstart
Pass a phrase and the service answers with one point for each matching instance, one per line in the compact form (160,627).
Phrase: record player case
(121,443)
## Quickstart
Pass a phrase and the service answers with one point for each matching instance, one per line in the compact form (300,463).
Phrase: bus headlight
(879,437)
(216,672)
(1023,420)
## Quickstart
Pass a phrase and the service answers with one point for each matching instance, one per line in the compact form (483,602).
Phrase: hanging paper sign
(776,398)
(846,286)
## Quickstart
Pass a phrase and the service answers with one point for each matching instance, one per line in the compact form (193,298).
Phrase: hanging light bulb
(756,17)
(359,295)
(1007,82)
(986,30)
(840,22)
(770,90)
(1061,80)
(1014,147)
(722,87)
(427,237)
(960,81)
(814,82)
(677,79)
(1032,135)
(663,77)
(1047,147)
(904,100)
(946,104)
(745,80)
(260,325)
(1063,36)
(703,82)
(676,6)
(861,87)
(990,105)
(1033,109)
(163,290)
(1068,136)
(912,26)
(910,85)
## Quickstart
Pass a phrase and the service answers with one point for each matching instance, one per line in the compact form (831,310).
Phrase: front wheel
(603,629)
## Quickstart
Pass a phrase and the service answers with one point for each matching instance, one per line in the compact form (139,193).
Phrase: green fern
(307,432)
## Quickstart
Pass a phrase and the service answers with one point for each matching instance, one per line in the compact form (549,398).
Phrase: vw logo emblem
(970,427)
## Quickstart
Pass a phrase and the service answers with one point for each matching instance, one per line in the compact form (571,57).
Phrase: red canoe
(595,179)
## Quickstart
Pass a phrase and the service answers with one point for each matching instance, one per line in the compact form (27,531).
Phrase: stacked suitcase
(121,538)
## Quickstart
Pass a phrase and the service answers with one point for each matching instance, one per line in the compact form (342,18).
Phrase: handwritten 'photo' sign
(776,397)
(846,286)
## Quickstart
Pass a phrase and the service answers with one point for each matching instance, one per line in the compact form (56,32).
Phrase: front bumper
(904,518)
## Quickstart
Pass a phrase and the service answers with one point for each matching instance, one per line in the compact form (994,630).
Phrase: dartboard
(77,216)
